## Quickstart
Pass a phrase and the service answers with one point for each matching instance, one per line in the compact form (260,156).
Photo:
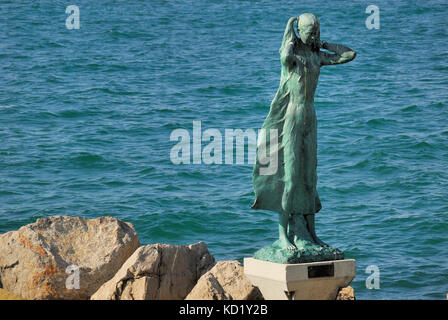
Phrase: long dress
(291,188)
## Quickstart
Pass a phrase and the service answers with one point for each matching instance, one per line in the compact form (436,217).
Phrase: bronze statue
(291,190)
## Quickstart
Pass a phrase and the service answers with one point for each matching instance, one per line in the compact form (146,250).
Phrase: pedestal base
(302,281)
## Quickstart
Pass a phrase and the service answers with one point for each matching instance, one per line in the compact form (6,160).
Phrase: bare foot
(285,244)
(318,241)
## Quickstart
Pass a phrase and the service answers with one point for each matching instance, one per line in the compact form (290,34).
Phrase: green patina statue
(290,189)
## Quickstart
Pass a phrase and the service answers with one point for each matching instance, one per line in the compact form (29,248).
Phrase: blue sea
(86,117)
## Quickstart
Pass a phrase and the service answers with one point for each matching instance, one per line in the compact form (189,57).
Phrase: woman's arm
(286,50)
(342,54)
(287,55)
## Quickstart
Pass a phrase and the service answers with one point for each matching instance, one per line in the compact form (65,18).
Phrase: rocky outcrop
(69,258)
(347,293)
(158,272)
(225,281)
(42,260)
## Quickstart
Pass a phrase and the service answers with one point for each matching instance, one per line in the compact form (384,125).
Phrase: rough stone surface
(225,281)
(158,272)
(347,293)
(6,295)
(34,259)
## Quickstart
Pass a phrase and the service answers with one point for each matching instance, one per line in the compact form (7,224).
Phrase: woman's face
(310,34)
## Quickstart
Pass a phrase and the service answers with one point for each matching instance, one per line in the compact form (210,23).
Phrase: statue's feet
(303,244)
(285,244)
(318,241)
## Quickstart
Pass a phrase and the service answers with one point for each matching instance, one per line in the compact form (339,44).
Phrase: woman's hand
(322,44)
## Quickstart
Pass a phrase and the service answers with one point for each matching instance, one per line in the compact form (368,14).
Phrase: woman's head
(308,27)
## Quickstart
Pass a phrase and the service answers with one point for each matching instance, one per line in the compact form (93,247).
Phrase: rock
(347,293)
(158,272)
(6,295)
(225,281)
(34,259)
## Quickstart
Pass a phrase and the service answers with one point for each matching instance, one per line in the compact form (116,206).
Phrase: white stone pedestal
(302,281)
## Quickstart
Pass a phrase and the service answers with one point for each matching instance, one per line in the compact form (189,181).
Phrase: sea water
(86,117)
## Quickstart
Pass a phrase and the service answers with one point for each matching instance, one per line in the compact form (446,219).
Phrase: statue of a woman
(291,190)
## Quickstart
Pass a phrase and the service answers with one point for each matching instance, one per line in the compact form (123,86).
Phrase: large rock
(158,272)
(347,293)
(225,281)
(35,260)
(6,295)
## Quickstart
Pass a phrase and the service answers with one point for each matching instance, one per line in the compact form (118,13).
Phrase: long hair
(289,34)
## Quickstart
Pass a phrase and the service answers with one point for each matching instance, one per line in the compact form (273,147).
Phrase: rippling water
(86,117)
